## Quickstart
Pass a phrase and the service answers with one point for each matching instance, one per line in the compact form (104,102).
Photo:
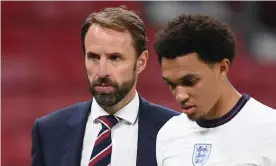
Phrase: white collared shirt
(124,135)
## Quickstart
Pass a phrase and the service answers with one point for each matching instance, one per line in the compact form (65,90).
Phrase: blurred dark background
(42,66)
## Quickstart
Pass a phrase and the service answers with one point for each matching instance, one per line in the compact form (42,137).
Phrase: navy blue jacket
(57,138)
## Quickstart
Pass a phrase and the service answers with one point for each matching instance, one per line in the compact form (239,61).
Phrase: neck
(127,99)
(228,98)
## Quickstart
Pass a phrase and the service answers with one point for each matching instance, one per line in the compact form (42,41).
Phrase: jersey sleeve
(161,145)
(269,145)
(169,143)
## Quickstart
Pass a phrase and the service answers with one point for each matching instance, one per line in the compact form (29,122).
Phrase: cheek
(125,71)
(203,93)
(91,72)
(88,65)
(200,90)
(120,74)
(208,95)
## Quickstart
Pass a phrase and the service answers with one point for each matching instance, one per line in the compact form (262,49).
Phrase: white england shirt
(246,136)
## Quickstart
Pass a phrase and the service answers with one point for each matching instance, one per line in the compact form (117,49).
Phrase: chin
(193,117)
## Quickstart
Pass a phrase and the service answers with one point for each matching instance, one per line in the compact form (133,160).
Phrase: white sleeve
(269,145)
(161,146)
(166,149)
(169,144)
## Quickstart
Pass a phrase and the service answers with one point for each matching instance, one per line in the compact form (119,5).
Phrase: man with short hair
(219,126)
(117,127)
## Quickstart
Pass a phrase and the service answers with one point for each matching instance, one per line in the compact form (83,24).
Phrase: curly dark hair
(211,39)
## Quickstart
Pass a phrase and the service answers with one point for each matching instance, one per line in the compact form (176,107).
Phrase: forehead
(103,39)
(183,65)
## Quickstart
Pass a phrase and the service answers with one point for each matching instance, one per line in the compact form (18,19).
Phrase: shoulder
(157,109)
(262,119)
(163,111)
(263,115)
(169,131)
(263,123)
(61,115)
(155,113)
(260,111)
(171,140)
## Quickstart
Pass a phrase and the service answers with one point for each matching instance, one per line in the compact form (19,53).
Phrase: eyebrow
(189,76)
(108,54)
(92,53)
(114,53)
(183,78)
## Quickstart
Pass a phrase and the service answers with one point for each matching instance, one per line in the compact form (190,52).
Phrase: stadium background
(42,66)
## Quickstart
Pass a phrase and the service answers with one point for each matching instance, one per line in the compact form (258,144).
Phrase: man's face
(194,84)
(110,63)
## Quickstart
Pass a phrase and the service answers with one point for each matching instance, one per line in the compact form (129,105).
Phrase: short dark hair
(211,39)
(119,19)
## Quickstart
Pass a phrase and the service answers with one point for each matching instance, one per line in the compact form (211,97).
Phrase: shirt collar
(128,113)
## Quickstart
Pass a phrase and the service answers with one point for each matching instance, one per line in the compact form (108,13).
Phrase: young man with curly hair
(219,126)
